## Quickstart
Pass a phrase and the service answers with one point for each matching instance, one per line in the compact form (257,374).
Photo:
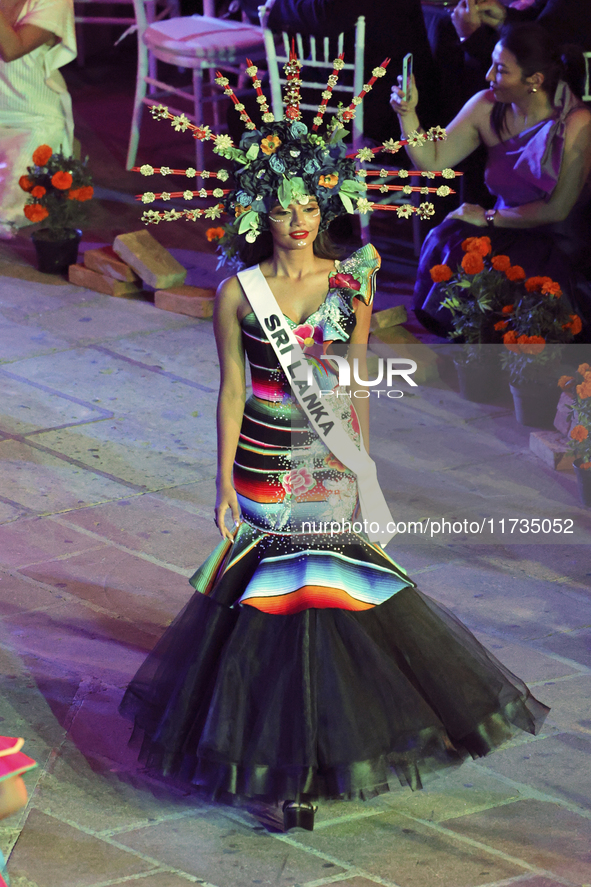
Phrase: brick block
(388,317)
(191,300)
(150,261)
(106,261)
(100,283)
(552,448)
(565,419)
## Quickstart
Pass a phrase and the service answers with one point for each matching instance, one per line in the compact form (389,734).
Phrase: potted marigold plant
(476,295)
(58,189)
(579,388)
(535,328)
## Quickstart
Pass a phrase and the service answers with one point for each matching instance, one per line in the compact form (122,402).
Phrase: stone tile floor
(107,464)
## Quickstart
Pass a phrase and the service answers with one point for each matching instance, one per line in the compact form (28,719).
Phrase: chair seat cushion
(201,37)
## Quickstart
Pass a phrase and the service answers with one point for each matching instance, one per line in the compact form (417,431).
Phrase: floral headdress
(284,162)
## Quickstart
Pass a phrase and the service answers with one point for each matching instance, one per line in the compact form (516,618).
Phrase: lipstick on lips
(299,235)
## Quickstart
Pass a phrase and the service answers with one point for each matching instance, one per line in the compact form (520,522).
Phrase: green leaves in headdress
(249,221)
(290,189)
(351,190)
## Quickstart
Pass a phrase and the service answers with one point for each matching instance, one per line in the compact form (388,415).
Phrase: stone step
(191,300)
(149,259)
(552,448)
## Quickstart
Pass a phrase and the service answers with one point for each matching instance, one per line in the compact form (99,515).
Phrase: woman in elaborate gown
(538,137)
(307,664)
(36,39)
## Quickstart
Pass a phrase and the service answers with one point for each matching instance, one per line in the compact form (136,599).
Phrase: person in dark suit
(391,30)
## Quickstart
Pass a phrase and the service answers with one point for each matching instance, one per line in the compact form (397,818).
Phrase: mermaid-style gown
(308,665)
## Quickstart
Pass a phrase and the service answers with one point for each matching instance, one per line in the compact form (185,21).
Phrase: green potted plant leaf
(58,189)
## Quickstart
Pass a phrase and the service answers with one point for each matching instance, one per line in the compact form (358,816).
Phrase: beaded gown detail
(308,664)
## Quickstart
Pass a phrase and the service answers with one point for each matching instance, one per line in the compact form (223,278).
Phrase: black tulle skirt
(322,703)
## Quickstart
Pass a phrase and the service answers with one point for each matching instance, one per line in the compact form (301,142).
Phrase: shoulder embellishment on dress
(356,274)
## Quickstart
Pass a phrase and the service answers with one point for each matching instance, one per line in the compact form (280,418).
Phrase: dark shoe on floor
(298,815)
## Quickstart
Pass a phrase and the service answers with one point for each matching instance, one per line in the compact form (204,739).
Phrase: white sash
(376,514)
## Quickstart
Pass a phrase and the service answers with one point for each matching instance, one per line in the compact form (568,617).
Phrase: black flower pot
(479,381)
(535,403)
(56,256)
(583,476)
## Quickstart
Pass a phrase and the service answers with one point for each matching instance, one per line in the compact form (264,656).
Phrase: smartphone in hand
(407,76)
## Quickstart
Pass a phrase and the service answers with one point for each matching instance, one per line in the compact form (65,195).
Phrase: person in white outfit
(37,38)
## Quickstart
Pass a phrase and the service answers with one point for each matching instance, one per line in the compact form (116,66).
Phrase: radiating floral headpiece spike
(337,66)
(266,114)
(349,113)
(225,84)
(284,162)
(292,87)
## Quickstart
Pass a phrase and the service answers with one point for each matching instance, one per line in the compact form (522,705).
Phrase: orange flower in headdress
(270,144)
(328,181)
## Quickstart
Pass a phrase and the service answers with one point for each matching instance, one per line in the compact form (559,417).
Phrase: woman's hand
(397,100)
(471,213)
(226,498)
(469,15)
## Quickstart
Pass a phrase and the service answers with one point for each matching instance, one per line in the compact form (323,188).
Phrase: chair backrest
(587,93)
(317,55)
(149,11)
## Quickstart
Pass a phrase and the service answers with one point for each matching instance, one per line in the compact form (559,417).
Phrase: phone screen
(407,75)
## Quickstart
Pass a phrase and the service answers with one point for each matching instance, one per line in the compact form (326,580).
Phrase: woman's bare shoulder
(578,119)
(230,298)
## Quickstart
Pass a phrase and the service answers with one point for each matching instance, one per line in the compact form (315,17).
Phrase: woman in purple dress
(538,137)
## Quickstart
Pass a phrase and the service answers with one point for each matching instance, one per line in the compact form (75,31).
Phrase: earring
(533,89)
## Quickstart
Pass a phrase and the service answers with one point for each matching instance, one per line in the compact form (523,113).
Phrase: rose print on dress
(298,480)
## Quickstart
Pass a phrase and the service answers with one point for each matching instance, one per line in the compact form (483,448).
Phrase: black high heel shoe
(298,814)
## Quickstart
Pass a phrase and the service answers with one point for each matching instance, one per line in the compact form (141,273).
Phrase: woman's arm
(358,350)
(21,40)
(231,397)
(463,133)
(574,172)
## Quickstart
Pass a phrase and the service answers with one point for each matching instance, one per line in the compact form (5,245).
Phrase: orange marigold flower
(25,183)
(552,289)
(472,263)
(579,433)
(328,181)
(531,344)
(501,263)
(510,341)
(515,272)
(214,234)
(575,325)
(86,192)
(241,209)
(583,368)
(585,465)
(74,194)
(440,273)
(35,212)
(564,380)
(507,309)
(584,389)
(61,180)
(41,155)
(270,144)
(480,245)
(501,324)
(38,191)
(468,244)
